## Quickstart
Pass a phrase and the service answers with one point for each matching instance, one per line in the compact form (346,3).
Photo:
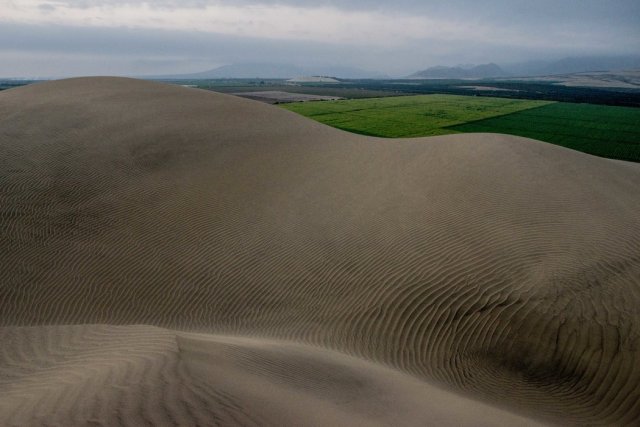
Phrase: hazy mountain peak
(259,70)
(459,72)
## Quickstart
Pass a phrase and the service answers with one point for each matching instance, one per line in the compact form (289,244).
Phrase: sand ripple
(143,375)
(502,268)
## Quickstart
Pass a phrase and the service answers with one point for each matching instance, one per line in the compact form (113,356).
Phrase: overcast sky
(136,37)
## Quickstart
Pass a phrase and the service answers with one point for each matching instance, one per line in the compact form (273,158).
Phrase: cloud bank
(149,37)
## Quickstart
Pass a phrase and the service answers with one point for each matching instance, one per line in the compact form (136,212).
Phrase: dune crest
(505,269)
(143,375)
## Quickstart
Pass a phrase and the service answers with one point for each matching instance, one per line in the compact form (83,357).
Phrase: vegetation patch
(409,116)
(596,129)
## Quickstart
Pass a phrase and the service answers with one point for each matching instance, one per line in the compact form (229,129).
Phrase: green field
(601,130)
(605,131)
(409,116)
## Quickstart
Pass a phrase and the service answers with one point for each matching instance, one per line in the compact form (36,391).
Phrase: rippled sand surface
(172,256)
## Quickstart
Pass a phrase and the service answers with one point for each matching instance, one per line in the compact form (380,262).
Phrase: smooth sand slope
(175,256)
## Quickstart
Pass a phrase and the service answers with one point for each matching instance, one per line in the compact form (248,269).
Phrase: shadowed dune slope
(143,375)
(500,267)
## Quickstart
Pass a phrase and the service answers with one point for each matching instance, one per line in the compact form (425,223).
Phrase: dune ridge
(502,268)
(143,375)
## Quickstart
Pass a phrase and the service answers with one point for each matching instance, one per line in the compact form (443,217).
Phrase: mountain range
(274,71)
(567,65)
(573,65)
(460,72)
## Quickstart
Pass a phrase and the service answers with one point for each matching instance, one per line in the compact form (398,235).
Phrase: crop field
(596,129)
(409,116)
(605,131)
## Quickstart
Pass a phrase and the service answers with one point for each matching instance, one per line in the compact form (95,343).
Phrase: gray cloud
(604,12)
(514,30)
(46,7)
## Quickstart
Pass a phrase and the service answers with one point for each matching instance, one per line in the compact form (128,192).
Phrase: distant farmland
(596,129)
(409,116)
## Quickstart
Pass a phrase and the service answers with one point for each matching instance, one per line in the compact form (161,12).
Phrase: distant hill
(273,71)
(569,65)
(473,72)
(590,64)
(314,79)
(573,65)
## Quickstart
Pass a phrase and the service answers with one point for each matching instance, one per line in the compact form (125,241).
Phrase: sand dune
(143,375)
(503,269)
